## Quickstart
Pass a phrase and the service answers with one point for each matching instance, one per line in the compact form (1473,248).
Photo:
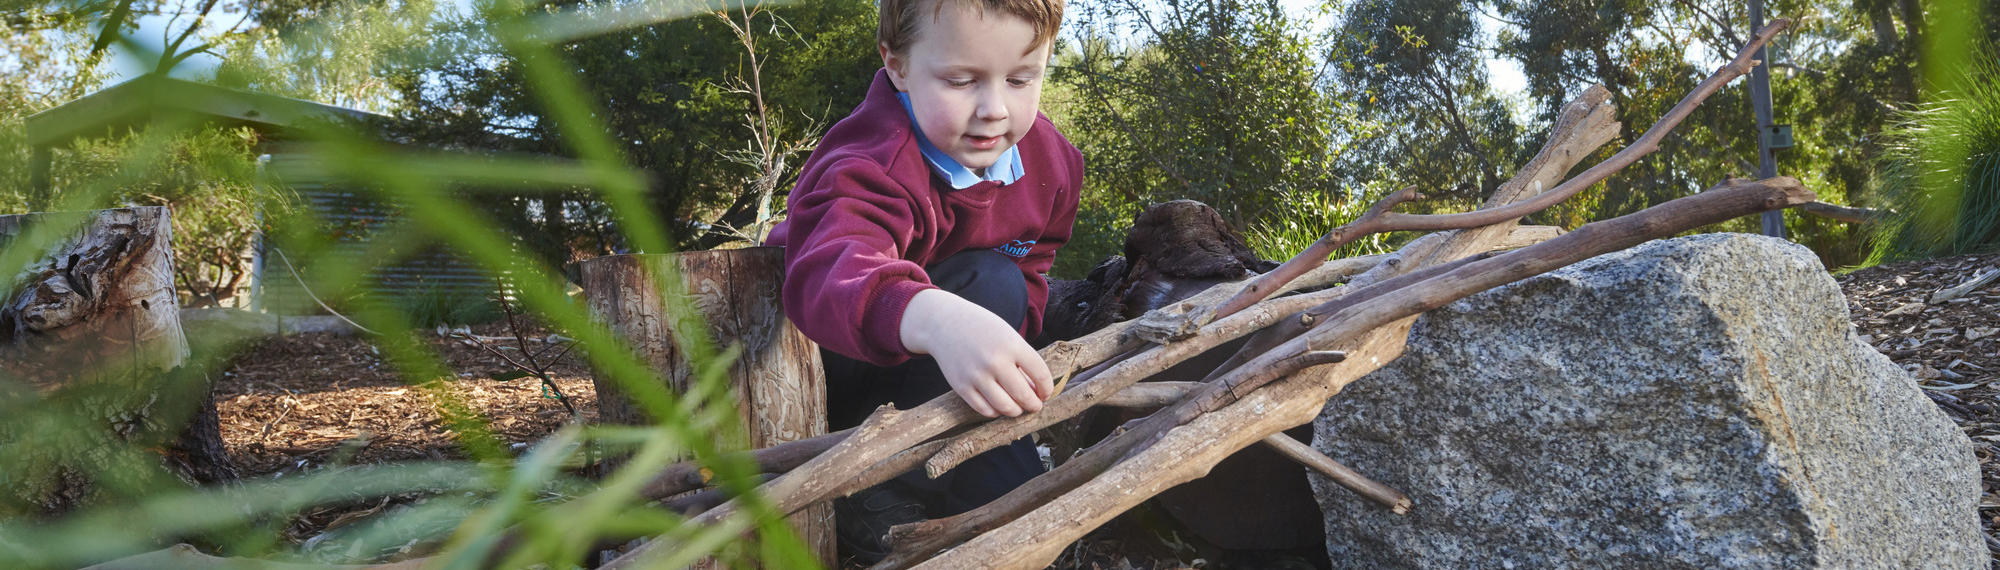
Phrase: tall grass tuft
(1311,215)
(1943,178)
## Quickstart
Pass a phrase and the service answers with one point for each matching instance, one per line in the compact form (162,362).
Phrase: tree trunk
(92,351)
(777,381)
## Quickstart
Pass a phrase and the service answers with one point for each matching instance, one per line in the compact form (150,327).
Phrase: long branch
(1381,218)
(1727,200)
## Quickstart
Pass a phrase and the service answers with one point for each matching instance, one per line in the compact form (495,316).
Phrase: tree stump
(91,350)
(777,381)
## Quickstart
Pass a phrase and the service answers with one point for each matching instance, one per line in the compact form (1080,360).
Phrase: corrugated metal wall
(353,217)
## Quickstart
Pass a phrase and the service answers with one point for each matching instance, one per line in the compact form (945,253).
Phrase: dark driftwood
(1347,477)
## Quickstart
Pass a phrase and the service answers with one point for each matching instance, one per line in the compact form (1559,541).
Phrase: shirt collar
(1005,170)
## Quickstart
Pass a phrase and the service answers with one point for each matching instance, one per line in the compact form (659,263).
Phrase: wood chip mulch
(1951,347)
(300,402)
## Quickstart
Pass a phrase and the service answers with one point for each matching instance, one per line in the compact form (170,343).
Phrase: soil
(310,401)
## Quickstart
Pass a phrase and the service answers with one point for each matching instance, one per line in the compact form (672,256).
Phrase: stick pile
(1303,349)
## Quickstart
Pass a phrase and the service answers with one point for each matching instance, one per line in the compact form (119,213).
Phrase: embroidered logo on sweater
(1016,249)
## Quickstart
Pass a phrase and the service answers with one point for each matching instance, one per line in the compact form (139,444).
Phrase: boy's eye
(1018,82)
(958,82)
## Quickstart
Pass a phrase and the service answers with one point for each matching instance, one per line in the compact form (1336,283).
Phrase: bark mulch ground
(308,401)
(1952,348)
(296,402)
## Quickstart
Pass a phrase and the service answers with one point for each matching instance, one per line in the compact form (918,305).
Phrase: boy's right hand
(984,359)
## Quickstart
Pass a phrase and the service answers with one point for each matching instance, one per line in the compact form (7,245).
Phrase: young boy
(918,236)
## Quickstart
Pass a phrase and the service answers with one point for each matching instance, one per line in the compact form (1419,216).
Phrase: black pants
(855,388)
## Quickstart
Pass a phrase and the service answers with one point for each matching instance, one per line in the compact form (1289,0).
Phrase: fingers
(973,399)
(1038,375)
(997,396)
(1021,390)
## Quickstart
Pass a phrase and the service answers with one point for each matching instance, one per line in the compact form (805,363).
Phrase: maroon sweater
(868,214)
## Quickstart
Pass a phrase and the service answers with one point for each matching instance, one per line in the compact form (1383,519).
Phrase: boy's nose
(992,105)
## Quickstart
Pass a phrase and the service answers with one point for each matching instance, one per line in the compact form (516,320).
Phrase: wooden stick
(1381,217)
(1286,329)
(1369,489)
(1149,395)
(1158,394)
(1373,331)
(689,475)
(1082,395)
(1842,213)
(1966,287)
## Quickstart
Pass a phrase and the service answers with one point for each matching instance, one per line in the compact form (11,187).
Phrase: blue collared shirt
(1005,170)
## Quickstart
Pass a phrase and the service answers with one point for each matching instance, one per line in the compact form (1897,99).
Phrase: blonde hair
(901,19)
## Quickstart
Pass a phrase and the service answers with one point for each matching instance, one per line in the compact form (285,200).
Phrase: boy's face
(975,81)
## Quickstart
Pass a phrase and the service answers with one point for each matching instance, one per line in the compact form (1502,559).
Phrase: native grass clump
(1943,178)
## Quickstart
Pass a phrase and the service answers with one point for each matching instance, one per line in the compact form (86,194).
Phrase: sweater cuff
(884,321)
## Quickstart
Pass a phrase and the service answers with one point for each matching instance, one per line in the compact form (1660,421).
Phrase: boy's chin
(978,162)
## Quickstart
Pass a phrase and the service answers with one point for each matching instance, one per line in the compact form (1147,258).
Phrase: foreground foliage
(541,497)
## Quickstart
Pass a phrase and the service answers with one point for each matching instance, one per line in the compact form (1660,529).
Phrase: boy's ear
(894,64)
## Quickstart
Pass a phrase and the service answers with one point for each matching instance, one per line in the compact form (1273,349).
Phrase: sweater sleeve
(846,279)
(1062,219)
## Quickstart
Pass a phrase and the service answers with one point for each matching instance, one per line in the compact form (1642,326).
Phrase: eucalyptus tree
(1838,79)
(673,93)
(1212,100)
(1417,67)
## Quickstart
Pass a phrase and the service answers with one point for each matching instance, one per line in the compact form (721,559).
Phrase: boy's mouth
(982,143)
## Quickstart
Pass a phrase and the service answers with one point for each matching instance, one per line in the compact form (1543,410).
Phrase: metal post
(1760,98)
